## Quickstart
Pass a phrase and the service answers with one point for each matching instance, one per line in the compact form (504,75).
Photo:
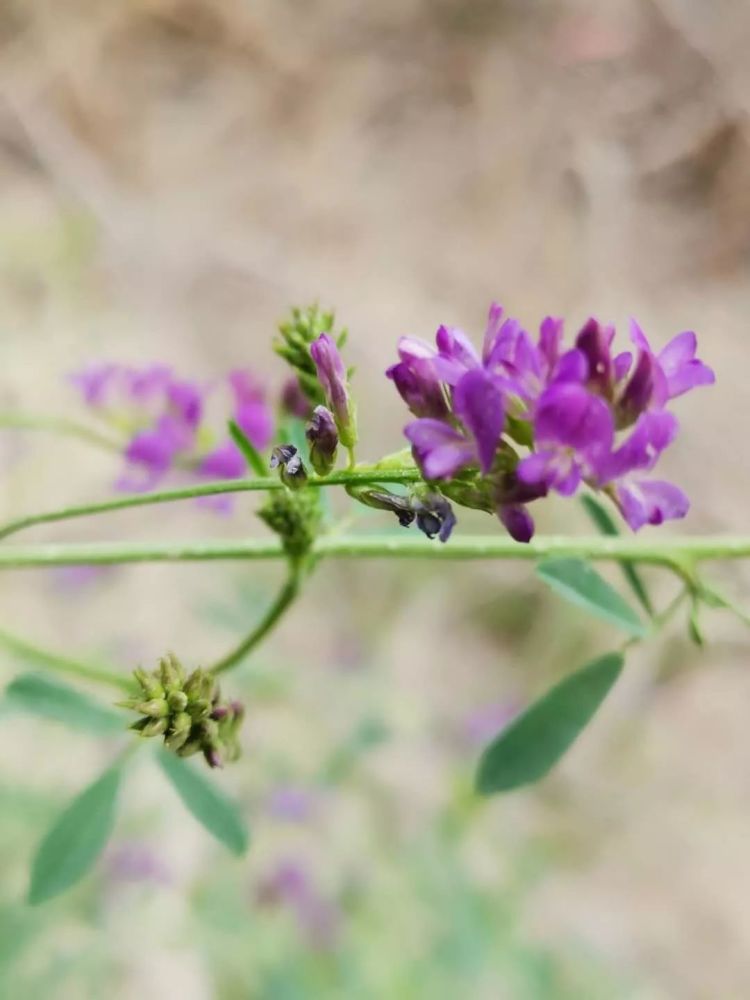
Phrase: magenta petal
(571,367)
(479,404)
(550,339)
(639,337)
(621,365)
(537,468)
(571,416)
(678,351)
(256,420)
(653,432)
(494,323)
(224,462)
(439,449)
(650,502)
(517,521)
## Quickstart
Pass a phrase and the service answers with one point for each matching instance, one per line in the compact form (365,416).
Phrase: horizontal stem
(667,552)
(61,664)
(57,425)
(355,476)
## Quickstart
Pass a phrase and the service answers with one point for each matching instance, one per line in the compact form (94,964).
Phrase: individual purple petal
(456,354)
(479,404)
(568,415)
(419,387)
(492,330)
(653,432)
(251,412)
(186,402)
(154,451)
(439,449)
(554,468)
(638,337)
(550,341)
(650,502)
(645,387)
(95,382)
(224,462)
(517,521)
(682,370)
(571,367)
(595,341)
(621,365)
(294,401)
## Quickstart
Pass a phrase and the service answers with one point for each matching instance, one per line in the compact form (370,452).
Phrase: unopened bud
(323,440)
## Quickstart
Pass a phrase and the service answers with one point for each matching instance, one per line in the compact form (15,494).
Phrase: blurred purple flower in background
(290,884)
(165,424)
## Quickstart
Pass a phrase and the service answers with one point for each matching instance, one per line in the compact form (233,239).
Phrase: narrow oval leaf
(249,452)
(534,742)
(51,699)
(208,804)
(76,840)
(575,580)
(606,524)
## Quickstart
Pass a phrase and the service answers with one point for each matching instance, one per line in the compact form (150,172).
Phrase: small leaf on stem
(208,804)
(51,699)
(249,452)
(533,742)
(606,524)
(76,839)
(579,583)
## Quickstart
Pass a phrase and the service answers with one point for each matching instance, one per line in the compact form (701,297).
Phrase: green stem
(55,425)
(61,664)
(282,602)
(355,476)
(670,552)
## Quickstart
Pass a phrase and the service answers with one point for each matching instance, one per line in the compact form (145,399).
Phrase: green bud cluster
(295,517)
(187,711)
(293,344)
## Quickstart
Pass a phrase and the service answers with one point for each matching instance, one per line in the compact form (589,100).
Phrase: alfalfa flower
(333,379)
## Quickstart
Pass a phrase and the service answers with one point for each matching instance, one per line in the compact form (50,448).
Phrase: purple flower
(294,401)
(417,381)
(332,377)
(251,412)
(573,430)
(677,363)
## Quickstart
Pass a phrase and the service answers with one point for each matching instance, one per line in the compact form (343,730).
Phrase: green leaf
(249,452)
(208,804)
(575,580)
(51,699)
(76,840)
(606,524)
(534,742)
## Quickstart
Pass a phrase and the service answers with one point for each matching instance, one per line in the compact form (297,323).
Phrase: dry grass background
(175,173)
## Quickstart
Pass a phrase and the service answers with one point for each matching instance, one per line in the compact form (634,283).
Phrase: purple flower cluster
(165,421)
(585,414)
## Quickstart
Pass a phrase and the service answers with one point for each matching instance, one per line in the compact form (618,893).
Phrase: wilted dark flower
(288,461)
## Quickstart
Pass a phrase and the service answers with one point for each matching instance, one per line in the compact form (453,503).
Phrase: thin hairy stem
(670,552)
(56,425)
(281,603)
(354,476)
(61,664)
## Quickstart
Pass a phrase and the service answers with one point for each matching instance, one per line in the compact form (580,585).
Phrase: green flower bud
(155,727)
(157,708)
(177,701)
(172,674)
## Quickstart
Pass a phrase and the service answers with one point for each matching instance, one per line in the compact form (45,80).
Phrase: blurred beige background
(174,175)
